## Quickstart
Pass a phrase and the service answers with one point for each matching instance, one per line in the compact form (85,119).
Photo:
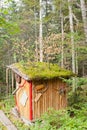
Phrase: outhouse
(39,86)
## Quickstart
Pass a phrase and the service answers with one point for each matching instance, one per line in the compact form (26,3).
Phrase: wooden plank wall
(51,98)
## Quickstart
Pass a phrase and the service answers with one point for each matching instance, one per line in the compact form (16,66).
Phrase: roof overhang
(15,70)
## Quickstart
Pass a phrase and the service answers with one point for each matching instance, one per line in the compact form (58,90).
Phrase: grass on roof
(42,70)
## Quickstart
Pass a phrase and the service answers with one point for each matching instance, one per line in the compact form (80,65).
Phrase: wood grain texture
(51,98)
(23,110)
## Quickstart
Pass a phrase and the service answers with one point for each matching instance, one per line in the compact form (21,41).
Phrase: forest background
(53,31)
(47,30)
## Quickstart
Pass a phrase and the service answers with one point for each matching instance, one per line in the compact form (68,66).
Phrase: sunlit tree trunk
(72,41)
(72,35)
(84,17)
(36,43)
(40,34)
(62,32)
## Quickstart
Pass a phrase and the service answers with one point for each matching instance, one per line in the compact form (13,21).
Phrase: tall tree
(62,32)
(40,33)
(84,17)
(72,39)
(72,34)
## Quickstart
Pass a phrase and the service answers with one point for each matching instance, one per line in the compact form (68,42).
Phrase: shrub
(62,120)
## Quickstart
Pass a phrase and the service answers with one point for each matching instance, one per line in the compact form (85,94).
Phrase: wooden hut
(39,86)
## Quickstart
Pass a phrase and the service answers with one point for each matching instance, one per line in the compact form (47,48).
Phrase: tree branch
(75,18)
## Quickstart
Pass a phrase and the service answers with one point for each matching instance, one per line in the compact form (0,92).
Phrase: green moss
(42,70)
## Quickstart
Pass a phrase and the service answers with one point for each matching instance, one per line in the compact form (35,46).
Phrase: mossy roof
(40,70)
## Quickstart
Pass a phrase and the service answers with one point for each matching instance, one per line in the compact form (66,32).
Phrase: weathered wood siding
(53,96)
(45,94)
(23,99)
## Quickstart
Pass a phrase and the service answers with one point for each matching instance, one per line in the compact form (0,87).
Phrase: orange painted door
(23,97)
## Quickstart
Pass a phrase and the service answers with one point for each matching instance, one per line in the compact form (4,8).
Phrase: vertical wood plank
(12,81)
(51,98)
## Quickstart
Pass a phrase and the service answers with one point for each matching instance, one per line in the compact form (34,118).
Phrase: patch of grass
(2,127)
(18,123)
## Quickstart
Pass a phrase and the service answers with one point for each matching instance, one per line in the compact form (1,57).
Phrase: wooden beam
(6,122)
(12,81)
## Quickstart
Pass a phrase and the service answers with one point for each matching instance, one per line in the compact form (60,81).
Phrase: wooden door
(24,100)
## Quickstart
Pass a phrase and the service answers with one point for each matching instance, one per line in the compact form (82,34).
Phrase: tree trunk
(62,32)
(76,63)
(72,35)
(36,43)
(40,33)
(84,17)
(72,42)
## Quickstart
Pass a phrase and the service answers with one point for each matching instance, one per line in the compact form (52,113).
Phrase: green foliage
(62,120)
(2,21)
(49,121)
(74,98)
(6,24)
(19,124)
(12,28)
(81,81)
(7,103)
(8,29)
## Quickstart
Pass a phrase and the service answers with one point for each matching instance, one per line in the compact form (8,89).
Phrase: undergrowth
(63,120)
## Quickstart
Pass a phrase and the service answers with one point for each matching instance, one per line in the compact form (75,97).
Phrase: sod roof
(39,70)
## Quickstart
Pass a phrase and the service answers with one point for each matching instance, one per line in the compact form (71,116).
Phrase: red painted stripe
(30,102)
